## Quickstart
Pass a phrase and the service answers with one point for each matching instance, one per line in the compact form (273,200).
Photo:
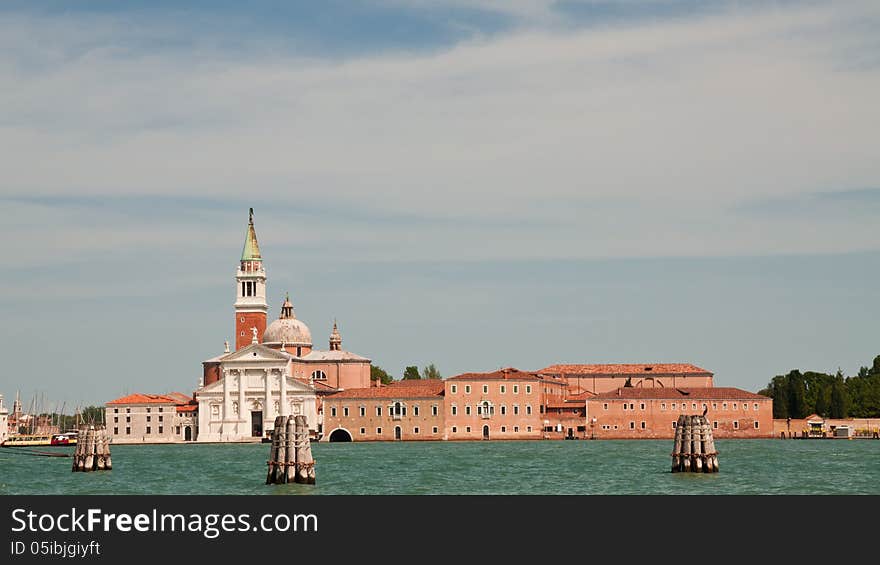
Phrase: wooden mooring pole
(92,451)
(694,448)
(290,457)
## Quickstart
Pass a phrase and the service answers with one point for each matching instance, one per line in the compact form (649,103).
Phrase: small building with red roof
(153,418)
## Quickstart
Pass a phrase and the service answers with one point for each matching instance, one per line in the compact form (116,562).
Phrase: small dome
(288,331)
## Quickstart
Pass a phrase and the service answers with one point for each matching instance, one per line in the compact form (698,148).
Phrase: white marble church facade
(255,386)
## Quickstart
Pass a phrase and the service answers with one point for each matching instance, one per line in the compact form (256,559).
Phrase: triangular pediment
(256,352)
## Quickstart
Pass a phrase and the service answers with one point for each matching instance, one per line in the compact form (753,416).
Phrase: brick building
(152,418)
(652,413)
(596,379)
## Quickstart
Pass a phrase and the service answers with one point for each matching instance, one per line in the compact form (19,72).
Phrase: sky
(473,184)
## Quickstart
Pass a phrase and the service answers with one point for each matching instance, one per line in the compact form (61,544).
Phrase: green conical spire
(251,251)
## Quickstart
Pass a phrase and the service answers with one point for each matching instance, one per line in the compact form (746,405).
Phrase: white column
(225,394)
(241,379)
(267,403)
(283,403)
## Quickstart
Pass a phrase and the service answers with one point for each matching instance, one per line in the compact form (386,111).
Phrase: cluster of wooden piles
(290,457)
(92,449)
(694,448)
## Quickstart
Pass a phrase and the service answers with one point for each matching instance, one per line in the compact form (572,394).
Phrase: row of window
(396,409)
(502,389)
(643,425)
(128,419)
(684,406)
(149,430)
(486,409)
(467,429)
(128,410)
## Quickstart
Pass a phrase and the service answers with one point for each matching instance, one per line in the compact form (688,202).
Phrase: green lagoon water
(494,467)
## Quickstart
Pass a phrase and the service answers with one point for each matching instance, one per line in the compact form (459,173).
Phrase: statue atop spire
(335,338)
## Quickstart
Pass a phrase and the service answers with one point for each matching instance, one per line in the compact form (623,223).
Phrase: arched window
(319,375)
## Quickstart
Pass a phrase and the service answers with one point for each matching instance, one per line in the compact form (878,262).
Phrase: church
(275,370)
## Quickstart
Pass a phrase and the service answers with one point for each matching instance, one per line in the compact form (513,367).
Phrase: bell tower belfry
(250,303)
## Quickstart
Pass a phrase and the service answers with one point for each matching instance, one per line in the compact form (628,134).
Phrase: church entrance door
(257,423)
(485,432)
(187,434)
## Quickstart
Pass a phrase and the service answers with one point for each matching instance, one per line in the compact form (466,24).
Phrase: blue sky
(473,184)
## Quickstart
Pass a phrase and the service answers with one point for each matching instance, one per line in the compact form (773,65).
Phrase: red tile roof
(625,369)
(427,388)
(138,398)
(411,382)
(509,373)
(188,408)
(695,393)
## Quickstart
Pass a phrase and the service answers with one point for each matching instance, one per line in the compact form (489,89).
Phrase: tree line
(797,395)
(411,372)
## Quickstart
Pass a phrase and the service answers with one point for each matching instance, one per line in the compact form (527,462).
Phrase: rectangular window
(755,406)
(363,431)
(736,424)
(161,409)
(467,410)
(673,405)
(115,419)
(416,430)
(724,406)
(605,406)
(116,410)
(363,411)
(503,389)
(148,430)
(528,428)
(745,406)
(734,405)
(515,409)
(515,389)
(704,406)
(693,406)
(148,418)
(127,431)
(756,424)
(454,429)
(177,430)
(333,411)
(161,429)
(378,431)
(714,406)
(378,410)
(528,389)
(434,430)
(503,410)
(715,425)
(128,410)
(625,405)
(415,410)
(516,429)
(662,406)
(467,429)
(128,419)
(160,418)
(116,431)
(485,389)
(467,389)
(454,410)
(674,425)
(632,425)
(503,428)
(643,425)
(529,409)
(345,411)
(642,406)
(454,389)
(433,410)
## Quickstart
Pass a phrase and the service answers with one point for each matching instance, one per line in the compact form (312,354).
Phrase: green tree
(839,397)
(379,374)
(822,402)
(797,395)
(411,373)
(431,372)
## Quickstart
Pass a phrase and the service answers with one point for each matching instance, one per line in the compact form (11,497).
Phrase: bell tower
(250,303)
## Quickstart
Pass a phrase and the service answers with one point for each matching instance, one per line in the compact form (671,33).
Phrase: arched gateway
(340,434)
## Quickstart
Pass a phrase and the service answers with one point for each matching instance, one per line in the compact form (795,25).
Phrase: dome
(288,331)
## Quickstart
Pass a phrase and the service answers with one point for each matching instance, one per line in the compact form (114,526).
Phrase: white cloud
(629,140)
